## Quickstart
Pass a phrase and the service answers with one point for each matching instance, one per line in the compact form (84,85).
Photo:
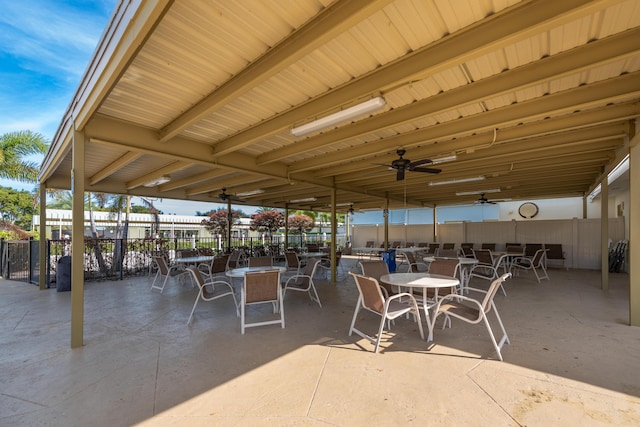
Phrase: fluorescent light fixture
(308,199)
(250,193)
(615,173)
(471,193)
(444,159)
(339,117)
(157,181)
(458,181)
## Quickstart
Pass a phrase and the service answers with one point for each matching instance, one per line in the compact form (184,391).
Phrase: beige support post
(334,232)
(385,213)
(604,233)
(286,227)
(435,222)
(42,244)
(77,240)
(634,232)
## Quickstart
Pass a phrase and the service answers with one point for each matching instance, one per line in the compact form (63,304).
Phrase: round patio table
(424,281)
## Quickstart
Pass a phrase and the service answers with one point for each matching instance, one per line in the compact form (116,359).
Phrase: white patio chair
(474,311)
(210,290)
(371,298)
(262,287)
(536,264)
(165,271)
(304,281)
(487,266)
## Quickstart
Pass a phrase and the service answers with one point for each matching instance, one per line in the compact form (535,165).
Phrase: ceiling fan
(224,197)
(483,200)
(401,165)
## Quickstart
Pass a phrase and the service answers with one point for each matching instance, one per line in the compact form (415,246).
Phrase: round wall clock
(528,210)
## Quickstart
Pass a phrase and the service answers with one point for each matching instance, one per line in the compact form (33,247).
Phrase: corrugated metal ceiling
(537,97)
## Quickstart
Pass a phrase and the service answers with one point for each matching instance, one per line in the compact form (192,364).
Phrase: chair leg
(280,303)
(242,314)
(355,315)
(493,339)
(315,292)
(504,338)
(154,280)
(195,304)
(379,337)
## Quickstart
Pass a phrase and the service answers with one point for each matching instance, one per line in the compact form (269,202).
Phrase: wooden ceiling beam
(607,91)
(572,61)
(493,32)
(326,25)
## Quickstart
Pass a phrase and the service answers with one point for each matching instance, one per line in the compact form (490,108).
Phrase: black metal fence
(115,259)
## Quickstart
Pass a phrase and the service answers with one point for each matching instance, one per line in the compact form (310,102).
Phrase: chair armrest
(296,276)
(459,298)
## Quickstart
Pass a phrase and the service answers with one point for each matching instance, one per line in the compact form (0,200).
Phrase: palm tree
(14,148)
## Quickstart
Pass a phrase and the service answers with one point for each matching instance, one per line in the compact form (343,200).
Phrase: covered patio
(328,106)
(572,360)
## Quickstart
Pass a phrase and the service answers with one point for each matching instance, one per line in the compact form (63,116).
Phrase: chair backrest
(410,256)
(488,298)
(554,251)
(466,245)
(197,277)
(370,293)
(467,251)
(261,286)
(490,246)
(531,248)
(432,248)
(375,269)
(514,249)
(205,252)
(369,244)
(409,244)
(234,259)
(483,256)
(291,259)
(162,265)
(444,267)
(538,257)
(448,246)
(448,253)
(219,264)
(313,247)
(308,272)
(260,261)
(396,244)
(186,253)
(423,245)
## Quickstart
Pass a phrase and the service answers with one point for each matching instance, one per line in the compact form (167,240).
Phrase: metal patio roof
(537,97)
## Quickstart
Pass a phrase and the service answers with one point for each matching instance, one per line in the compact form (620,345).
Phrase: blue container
(390,258)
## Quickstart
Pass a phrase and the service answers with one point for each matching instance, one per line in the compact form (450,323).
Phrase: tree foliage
(267,221)
(9,231)
(218,221)
(16,207)
(14,149)
(300,223)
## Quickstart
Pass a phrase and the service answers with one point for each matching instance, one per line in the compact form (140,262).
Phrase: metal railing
(116,259)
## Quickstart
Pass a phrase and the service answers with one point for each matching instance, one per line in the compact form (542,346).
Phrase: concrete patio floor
(572,360)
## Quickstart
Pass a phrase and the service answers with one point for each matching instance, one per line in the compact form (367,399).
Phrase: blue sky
(45,47)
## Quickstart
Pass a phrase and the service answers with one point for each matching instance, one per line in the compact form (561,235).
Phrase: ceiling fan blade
(400,175)
(420,163)
(427,170)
